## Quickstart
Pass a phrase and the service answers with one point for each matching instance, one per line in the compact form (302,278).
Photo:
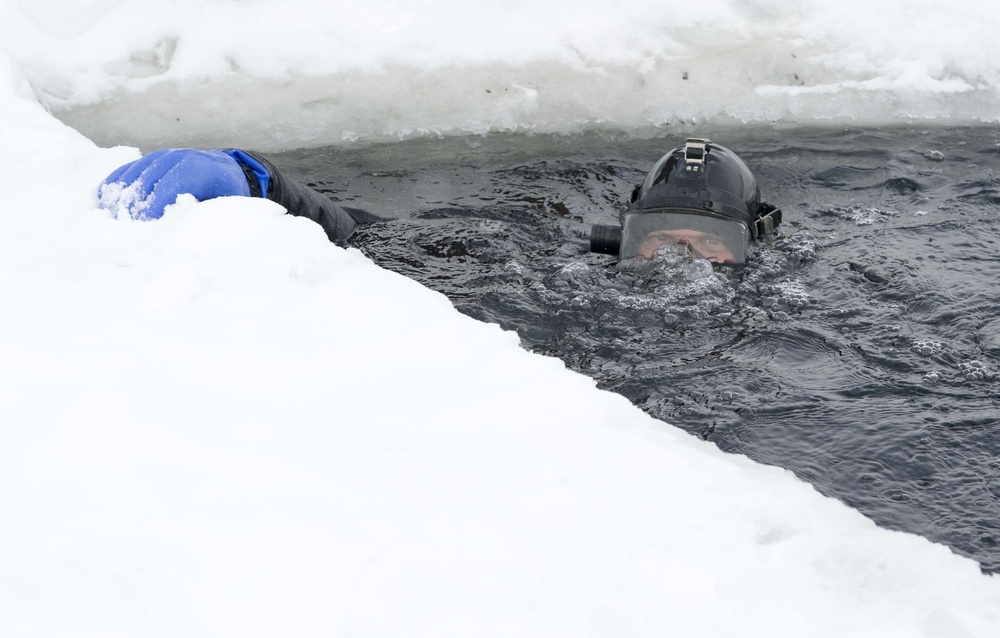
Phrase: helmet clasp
(695,149)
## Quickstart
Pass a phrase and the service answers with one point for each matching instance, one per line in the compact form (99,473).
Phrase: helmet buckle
(765,224)
(694,154)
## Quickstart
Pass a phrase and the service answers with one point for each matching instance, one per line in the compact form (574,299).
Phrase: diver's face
(705,245)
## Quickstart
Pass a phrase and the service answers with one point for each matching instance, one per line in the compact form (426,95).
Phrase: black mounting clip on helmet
(700,194)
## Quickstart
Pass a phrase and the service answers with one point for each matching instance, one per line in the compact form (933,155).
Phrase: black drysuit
(338,222)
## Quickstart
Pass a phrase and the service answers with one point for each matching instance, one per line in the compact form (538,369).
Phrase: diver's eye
(713,241)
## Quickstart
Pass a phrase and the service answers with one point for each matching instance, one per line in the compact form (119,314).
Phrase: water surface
(860,349)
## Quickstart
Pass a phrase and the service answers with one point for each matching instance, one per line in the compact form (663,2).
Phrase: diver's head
(700,196)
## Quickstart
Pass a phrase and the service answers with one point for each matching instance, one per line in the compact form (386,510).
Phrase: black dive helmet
(699,192)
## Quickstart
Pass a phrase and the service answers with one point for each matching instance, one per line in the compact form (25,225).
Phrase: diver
(700,197)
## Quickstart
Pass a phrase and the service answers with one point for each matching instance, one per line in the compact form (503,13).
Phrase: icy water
(861,349)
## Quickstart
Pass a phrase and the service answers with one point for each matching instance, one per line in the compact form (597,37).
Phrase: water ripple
(860,348)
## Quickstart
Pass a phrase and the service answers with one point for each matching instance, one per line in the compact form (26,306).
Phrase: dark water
(860,350)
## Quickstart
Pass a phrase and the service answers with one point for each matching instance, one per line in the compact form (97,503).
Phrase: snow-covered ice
(218,424)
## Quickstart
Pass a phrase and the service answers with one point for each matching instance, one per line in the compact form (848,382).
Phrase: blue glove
(143,188)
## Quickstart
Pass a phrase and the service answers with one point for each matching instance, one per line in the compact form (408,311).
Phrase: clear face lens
(717,240)
(701,245)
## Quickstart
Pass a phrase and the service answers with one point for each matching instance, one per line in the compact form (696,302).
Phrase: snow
(319,73)
(219,424)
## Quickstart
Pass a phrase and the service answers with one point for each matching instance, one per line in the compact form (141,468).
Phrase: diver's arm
(298,199)
(144,188)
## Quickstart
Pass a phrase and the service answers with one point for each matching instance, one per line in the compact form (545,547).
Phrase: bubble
(699,269)
(799,244)
(798,302)
(934,156)
(932,377)
(574,270)
(926,348)
(787,295)
(975,371)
